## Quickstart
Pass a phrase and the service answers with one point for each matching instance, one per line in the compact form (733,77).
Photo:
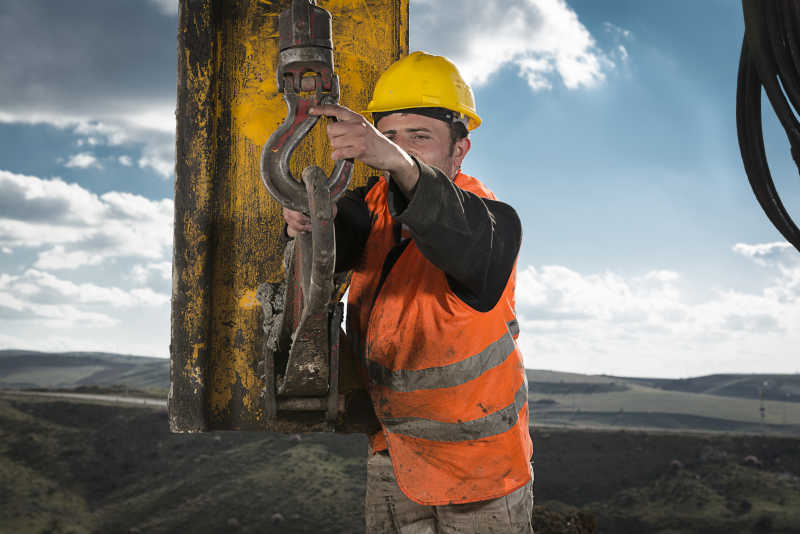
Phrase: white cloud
(167,7)
(11,302)
(58,257)
(159,119)
(147,297)
(109,87)
(619,36)
(6,279)
(780,256)
(41,298)
(143,274)
(159,160)
(83,160)
(778,253)
(152,129)
(74,227)
(40,311)
(649,325)
(51,315)
(541,38)
(73,293)
(28,199)
(618,32)
(106,133)
(154,132)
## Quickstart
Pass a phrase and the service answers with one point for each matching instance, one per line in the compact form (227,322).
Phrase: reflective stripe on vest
(491,425)
(446,376)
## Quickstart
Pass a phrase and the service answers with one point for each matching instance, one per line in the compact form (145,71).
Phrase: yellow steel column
(226,225)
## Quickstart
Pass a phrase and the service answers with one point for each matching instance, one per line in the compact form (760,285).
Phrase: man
(431,310)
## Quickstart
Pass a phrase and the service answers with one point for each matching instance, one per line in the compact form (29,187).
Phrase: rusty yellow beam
(226,224)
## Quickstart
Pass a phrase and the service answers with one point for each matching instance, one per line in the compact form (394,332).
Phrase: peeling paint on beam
(226,225)
(191,290)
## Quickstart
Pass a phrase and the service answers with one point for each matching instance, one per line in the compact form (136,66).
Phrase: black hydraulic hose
(770,59)
(791,51)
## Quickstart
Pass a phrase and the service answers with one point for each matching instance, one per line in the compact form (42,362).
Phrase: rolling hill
(724,403)
(20,369)
(721,402)
(77,467)
(602,458)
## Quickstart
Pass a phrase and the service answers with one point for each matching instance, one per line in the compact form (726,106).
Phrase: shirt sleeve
(352,225)
(474,240)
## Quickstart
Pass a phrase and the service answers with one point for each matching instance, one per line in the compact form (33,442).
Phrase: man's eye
(421,137)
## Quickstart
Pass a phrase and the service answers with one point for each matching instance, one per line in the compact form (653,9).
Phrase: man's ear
(460,150)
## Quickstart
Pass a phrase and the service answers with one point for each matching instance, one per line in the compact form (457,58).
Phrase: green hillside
(27,369)
(753,386)
(69,467)
(727,403)
(710,403)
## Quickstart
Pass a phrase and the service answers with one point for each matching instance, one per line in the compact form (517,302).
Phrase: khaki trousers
(388,510)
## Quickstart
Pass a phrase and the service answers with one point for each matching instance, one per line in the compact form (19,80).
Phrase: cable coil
(770,59)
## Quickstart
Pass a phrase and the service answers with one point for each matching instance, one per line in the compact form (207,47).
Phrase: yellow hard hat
(422,80)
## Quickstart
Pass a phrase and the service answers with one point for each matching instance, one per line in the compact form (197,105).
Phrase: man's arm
(474,240)
(352,224)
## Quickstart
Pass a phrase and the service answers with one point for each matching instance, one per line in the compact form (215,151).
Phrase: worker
(431,310)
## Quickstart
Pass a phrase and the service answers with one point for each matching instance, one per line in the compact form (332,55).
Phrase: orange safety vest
(447,382)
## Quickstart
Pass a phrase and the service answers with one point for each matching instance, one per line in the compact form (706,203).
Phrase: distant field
(651,408)
(543,375)
(785,387)
(724,402)
(644,399)
(27,369)
(49,377)
(716,402)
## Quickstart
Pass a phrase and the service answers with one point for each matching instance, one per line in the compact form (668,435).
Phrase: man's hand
(353,136)
(297,223)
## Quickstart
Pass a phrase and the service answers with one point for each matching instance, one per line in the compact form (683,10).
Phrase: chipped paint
(248,299)
(193,371)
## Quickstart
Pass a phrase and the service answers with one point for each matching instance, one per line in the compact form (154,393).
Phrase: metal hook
(306,64)
(306,48)
(275,157)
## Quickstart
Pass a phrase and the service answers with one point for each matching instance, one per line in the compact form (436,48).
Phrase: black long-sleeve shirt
(474,240)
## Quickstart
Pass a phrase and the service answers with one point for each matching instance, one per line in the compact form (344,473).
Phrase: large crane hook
(306,379)
(305,64)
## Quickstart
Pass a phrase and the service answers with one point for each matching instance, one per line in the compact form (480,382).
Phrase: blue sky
(610,126)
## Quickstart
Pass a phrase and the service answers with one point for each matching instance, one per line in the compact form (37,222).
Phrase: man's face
(426,138)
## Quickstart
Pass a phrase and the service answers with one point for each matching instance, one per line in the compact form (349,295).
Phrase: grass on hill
(28,369)
(79,467)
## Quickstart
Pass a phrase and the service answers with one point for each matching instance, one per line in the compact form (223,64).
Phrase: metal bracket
(309,380)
